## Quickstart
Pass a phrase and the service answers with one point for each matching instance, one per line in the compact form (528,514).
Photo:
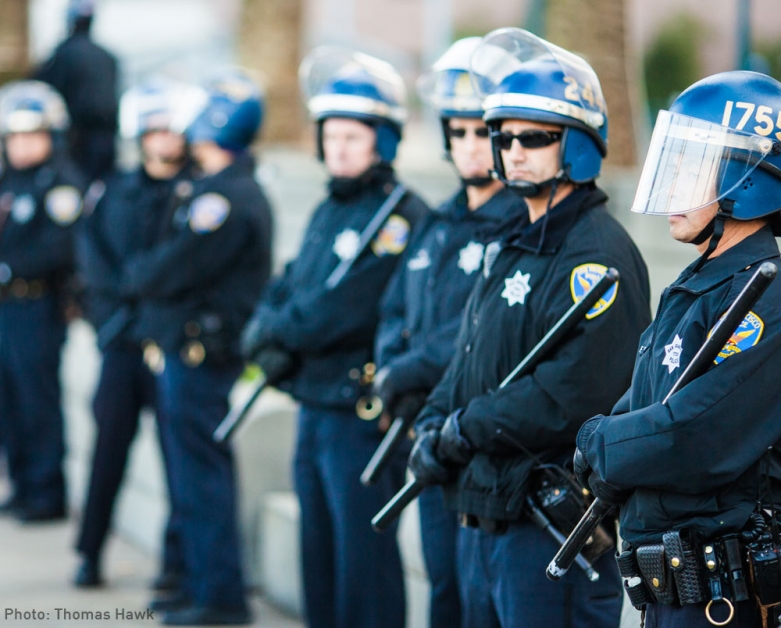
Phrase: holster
(636,589)
(690,579)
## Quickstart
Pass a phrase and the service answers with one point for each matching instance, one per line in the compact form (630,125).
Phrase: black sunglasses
(533,138)
(479,132)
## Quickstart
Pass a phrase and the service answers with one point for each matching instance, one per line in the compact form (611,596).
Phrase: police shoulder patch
(744,337)
(63,204)
(392,238)
(208,212)
(582,279)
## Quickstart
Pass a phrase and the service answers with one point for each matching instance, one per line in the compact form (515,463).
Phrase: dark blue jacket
(331,332)
(87,77)
(204,273)
(128,218)
(527,283)
(422,305)
(38,207)
(697,461)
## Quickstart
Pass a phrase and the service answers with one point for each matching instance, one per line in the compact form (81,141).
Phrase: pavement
(36,567)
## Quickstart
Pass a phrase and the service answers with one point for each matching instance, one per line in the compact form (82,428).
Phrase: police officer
(40,199)
(703,466)
(127,219)
(87,77)
(352,577)
(422,306)
(197,285)
(548,126)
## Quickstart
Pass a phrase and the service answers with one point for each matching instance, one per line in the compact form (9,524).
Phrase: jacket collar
(756,248)
(547,234)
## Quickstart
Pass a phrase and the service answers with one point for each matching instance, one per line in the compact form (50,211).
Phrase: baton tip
(555,573)
(768,269)
(613,274)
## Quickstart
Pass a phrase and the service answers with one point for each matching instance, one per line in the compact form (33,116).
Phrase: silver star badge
(516,288)
(470,257)
(672,354)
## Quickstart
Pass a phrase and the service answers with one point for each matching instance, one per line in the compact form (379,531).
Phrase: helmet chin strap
(527,189)
(476,182)
(713,230)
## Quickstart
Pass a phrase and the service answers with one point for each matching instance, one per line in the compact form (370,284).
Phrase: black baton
(382,455)
(236,415)
(700,363)
(549,342)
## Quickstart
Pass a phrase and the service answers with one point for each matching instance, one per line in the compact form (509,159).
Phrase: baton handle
(570,549)
(382,455)
(393,508)
(234,418)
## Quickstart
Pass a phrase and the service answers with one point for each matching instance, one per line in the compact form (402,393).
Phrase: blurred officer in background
(326,321)
(127,219)
(697,477)
(548,125)
(198,285)
(422,306)
(86,76)
(40,198)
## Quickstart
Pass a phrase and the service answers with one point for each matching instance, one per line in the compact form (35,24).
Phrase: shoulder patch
(392,238)
(583,278)
(63,204)
(208,212)
(745,336)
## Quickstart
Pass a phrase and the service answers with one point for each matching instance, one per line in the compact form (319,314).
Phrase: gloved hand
(424,462)
(605,492)
(252,340)
(409,405)
(382,387)
(277,364)
(581,467)
(453,447)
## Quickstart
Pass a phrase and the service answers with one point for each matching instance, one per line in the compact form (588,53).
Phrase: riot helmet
(233,112)
(523,77)
(159,104)
(339,83)
(30,106)
(447,87)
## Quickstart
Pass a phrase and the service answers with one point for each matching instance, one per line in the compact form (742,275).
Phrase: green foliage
(770,53)
(672,61)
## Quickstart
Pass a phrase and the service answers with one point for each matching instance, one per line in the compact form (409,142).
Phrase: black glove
(605,492)
(408,406)
(277,364)
(252,340)
(581,467)
(424,462)
(453,447)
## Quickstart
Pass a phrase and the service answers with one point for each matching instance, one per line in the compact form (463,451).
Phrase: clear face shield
(160,106)
(692,164)
(29,106)
(448,85)
(366,85)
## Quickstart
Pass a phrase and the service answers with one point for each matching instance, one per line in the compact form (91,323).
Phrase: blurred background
(644,52)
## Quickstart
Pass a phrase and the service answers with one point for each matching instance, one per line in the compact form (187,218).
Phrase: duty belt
(492,526)
(23,289)
(680,570)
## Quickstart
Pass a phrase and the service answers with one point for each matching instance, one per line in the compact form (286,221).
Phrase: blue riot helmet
(80,12)
(339,83)
(30,106)
(447,87)
(523,77)
(233,112)
(159,104)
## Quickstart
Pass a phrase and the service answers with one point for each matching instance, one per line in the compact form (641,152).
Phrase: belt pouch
(690,579)
(736,573)
(652,564)
(636,590)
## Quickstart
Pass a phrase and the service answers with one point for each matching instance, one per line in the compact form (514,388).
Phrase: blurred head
(470,150)
(233,114)
(211,157)
(80,14)
(163,153)
(339,84)
(349,147)
(28,150)
(540,87)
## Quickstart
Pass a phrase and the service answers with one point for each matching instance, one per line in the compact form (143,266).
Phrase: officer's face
(163,146)
(348,147)
(530,164)
(686,227)
(471,153)
(27,150)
